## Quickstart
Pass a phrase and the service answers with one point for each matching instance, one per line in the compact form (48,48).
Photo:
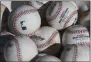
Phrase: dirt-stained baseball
(20,49)
(76,53)
(76,34)
(45,37)
(24,20)
(47,58)
(62,14)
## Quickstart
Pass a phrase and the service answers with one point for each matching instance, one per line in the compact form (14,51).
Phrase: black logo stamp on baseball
(23,25)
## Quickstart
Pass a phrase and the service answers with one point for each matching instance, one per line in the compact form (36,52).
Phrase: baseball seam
(17,16)
(75,54)
(50,41)
(55,15)
(77,31)
(19,57)
(71,15)
(84,43)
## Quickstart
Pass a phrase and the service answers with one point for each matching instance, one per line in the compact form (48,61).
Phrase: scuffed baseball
(62,14)
(45,37)
(24,20)
(76,34)
(47,58)
(37,4)
(76,53)
(20,49)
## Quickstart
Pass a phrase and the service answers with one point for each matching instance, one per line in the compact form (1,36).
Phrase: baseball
(20,49)
(45,31)
(76,34)
(37,4)
(47,58)
(24,20)
(76,53)
(46,37)
(62,14)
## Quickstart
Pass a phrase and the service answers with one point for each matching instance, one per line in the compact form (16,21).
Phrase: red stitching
(19,56)
(75,54)
(50,41)
(72,14)
(84,43)
(55,15)
(74,59)
(18,16)
(77,31)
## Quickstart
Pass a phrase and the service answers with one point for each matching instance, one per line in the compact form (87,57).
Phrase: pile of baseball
(46,31)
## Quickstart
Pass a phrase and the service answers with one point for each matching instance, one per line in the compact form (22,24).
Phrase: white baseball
(24,20)
(62,14)
(76,53)
(76,34)
(37,4)
(48,58)
(46,37)
(20,49)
